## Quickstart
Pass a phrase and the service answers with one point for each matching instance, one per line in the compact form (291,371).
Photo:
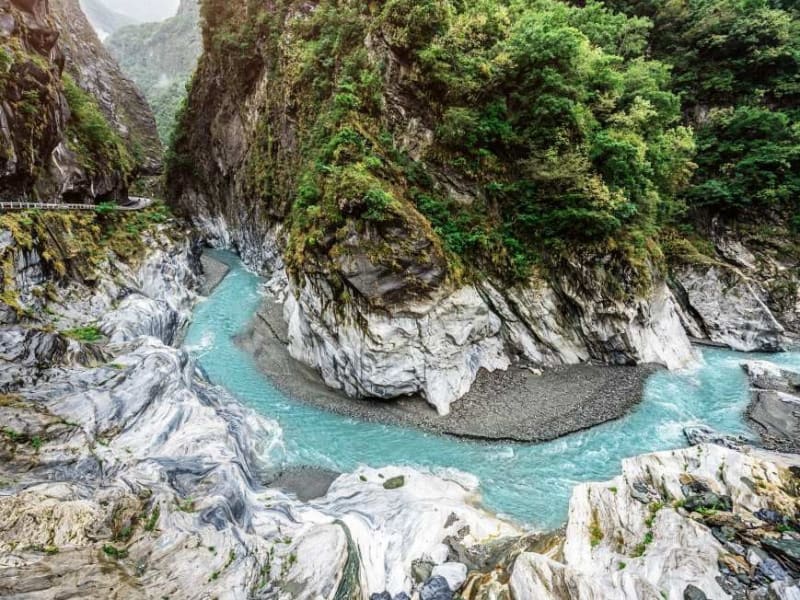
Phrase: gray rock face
(775,406)
(726,307)
(746,293)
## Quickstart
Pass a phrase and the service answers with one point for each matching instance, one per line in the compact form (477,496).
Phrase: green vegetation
(519,133)
(595,530)
(152,520)
(89,334)
(394,483)
(641,548)
(114,552)
(97,143)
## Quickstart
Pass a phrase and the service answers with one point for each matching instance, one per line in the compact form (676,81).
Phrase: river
(530,483)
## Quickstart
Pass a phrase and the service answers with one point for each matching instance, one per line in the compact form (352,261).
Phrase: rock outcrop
(71,126)
(436,346)
(775,406)
(745,296)
(703,522)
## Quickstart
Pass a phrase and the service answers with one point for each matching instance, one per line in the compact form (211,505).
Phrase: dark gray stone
(772,570)
(436,588)
(694,593)
(788,549)
(708,501)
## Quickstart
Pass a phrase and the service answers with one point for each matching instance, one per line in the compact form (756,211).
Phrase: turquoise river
(529,483)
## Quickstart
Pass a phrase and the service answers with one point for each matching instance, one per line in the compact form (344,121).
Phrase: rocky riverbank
(527,404)
(125,474)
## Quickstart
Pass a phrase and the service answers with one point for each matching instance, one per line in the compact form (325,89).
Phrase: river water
(528,483)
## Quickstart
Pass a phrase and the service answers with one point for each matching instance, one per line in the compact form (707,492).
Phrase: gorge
(433,300)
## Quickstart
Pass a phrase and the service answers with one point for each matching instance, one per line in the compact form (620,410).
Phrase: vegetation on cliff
(89,135)
(73,245)
(501,134)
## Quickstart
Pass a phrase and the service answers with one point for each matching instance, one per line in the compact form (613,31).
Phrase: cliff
(71,125)
(412,235)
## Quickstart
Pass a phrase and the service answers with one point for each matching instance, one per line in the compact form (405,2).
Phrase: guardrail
(139,204)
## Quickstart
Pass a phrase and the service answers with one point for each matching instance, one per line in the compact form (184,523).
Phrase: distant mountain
(104,20)
(160,58)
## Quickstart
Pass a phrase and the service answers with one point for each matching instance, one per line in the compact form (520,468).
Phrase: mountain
(104,20)
(160,58)
(71,125)
(448,187)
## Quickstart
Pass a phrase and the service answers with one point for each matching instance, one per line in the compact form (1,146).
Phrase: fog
(144,10)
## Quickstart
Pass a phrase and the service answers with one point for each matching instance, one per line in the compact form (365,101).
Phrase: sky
(144,10)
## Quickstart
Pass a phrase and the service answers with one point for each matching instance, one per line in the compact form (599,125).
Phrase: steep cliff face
(744,290)
(160,58)
(316,153)
(70,126)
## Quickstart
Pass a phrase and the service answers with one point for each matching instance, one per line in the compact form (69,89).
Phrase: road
(135,203)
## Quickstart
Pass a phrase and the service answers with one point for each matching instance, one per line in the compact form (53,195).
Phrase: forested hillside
(160,57)
(584,153)
(567,124)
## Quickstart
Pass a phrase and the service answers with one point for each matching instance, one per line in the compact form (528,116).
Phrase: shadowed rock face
(41,157)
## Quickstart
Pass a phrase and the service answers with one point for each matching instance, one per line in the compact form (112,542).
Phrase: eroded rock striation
(125,473)
(745,294)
